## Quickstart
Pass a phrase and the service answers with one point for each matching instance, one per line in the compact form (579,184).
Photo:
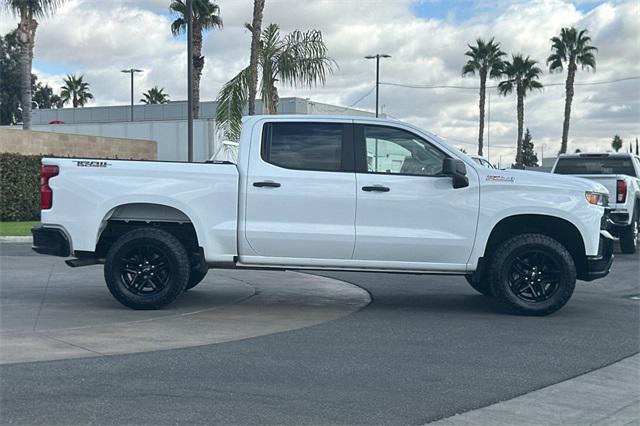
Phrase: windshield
(595,166)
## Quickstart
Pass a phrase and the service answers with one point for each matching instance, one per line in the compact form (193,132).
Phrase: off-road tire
(508,260)
(629,236)
(480,284)
(153,246)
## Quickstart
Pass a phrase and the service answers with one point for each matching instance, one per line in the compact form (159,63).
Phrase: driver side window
(397,151)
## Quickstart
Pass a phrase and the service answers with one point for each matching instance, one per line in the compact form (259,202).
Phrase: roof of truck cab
(597,155)
(315,117)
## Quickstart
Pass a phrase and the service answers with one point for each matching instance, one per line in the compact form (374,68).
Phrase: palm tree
(571,48)
(206,16)
(521,74)
(75,90)
(298,59)
(256,29)
(486,59)
(155,95)
(28,11)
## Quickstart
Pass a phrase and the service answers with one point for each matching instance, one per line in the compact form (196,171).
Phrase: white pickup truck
(332,193)
(620,174)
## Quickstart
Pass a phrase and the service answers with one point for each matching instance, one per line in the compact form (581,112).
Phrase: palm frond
(303,59)
(207,13)
(35,8)
(231,101)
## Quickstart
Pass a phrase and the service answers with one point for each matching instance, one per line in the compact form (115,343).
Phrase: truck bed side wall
(85,194)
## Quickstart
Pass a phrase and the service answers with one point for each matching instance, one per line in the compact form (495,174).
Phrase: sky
(426,39)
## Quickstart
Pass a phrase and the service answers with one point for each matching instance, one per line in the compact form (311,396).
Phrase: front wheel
(532,274)
(146,268)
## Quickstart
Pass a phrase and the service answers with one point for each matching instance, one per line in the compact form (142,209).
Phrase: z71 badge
(92,163)
(497,178)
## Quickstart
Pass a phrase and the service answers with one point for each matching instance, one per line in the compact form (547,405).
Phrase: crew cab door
(409,215)
(300,193)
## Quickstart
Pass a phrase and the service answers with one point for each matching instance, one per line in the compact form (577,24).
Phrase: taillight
(46,194)
(621,191)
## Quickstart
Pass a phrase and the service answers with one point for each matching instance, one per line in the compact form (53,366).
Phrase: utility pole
(377,57)
(131,71)
(190,80)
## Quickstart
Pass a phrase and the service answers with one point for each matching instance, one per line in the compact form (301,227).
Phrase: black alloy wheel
(534,276)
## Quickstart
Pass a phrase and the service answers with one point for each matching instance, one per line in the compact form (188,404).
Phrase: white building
(166,123)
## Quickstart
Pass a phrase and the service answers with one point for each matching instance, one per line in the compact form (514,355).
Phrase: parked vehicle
(482,161)
(290,202)
(620,174)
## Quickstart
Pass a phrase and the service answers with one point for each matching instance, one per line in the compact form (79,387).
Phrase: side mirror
(457,170)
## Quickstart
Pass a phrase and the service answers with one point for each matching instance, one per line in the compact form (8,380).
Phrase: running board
(88,261)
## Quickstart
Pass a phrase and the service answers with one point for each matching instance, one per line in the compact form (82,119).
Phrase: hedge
(19,187)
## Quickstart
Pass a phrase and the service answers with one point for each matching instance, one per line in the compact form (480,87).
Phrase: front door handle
(266,184)
(375,188)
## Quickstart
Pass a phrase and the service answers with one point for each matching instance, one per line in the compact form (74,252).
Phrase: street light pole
(131,71)
(190,80)
(377,57)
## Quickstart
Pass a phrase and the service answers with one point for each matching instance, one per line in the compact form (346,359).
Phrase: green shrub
(19,187)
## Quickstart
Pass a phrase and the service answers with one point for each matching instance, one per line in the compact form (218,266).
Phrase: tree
(256,29)
(206,16)
(298,59)
(616,143)
(44,97)
(9,80)
(529,156)
(28,11)
(571,48)
(521,75)
(155,95)
(486,60)
(76,90)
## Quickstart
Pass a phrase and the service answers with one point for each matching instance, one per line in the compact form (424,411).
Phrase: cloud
(98,38)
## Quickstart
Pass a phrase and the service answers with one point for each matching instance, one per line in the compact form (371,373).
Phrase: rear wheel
(532,274)
(629,236)
(146,268)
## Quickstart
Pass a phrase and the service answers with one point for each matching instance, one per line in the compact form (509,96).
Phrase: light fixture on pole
(131,71)
(190,80)
(377,57)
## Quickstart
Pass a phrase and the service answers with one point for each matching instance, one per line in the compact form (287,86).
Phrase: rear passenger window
(304,146)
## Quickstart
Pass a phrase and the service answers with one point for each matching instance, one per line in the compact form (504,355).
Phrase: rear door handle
(375,188)
(266,184)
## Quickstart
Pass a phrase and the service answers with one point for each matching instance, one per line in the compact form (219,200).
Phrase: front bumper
(599,266)
(52,241)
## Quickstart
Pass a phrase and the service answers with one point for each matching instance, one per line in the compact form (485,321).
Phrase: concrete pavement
(426,348)
(607,396)
(55,312)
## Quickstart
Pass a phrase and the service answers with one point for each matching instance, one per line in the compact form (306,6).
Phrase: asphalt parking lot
(425,348)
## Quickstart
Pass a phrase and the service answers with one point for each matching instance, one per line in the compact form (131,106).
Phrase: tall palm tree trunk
(483,85)
(256,30)
(571,75)
(26,36)
(198,65)
(520,111)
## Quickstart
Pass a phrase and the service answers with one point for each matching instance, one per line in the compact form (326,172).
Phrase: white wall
(170,135)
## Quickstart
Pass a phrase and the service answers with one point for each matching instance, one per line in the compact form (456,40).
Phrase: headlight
(596,198)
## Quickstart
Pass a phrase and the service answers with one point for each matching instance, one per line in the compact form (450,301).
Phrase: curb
(16,239)
(607,395)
